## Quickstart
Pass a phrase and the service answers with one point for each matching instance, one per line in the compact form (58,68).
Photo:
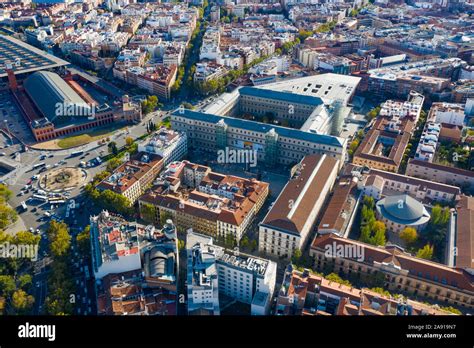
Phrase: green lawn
(81,139)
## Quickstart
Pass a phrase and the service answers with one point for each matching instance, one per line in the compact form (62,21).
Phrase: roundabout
(62,179)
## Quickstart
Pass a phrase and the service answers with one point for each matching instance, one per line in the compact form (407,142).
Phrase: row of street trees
(61,298)
(16,275)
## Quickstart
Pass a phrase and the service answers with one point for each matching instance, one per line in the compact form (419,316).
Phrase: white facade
(243,277)
(450,114)
(170,145)
(202,280)
(279,242)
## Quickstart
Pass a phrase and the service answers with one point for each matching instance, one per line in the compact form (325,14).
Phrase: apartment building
(157,79)
(202,277)
(219,205)
(273,144)
(136,267)
(340,211)
(385,143)
(170,145)
(399,271)
(290,220)
(464,217)
(125,294)
(441,173)
(305,293)
(293,108)
(378,183)
(444,122)
(245,278)
(134,176)
(207,71)
(115,246)
(448,113)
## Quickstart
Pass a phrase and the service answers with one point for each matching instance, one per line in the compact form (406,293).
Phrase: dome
(403,209)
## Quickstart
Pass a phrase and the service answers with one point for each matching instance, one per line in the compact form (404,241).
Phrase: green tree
(148,212)
(373,113)
(369,202)
(304,34)
(426,252)
(381,291)
(409,235)
(7,285)
(59,237)
(7,216)
(113,148)
(164,215)
(296,257)
(24,281)
(440,215)
(5,193)
(451,309)
(378,229)
(365,234)
(181,244)
(21,301)
(336,278)
(25,237)
(253,245)
(115,202)
(83,240)
(244,242)
(150,104)
(113,163)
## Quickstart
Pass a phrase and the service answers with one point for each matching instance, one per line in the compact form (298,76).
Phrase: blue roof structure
(262,127)
(403,209)
(284,96)
(48,90)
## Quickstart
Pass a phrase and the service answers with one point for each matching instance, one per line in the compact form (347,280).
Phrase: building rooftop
(24,58)
(130,172)
(328,87)
(284,96)
(49,91)
(162,139)
(117,237)
(403,209)
(261,127)
(401,261)
(465,233)
(310,294)
(291,209)
(340,207)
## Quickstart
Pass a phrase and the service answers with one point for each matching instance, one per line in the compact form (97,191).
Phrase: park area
(78,140)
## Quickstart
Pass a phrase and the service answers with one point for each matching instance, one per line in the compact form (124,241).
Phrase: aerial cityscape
(237,157)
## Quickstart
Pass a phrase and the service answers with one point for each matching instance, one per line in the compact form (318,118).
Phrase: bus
(39,165)
(41,198)
(76,153)
(24,206)
(56,201)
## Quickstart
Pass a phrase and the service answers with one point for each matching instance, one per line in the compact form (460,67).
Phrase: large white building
(202,280)
(170,145)
(245,278)
(114,243)
(287,225)
(448,113)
